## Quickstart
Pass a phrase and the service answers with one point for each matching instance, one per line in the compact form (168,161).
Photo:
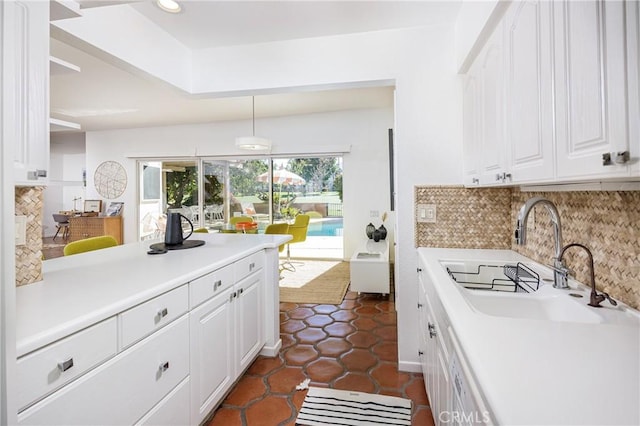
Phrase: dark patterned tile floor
(351,346)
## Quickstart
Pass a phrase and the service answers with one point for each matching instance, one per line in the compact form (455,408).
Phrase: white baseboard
(410,366)
(271,351)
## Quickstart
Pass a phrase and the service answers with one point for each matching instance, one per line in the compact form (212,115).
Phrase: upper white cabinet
(491,114)
(591,88)
(553,95)
(470,131)
(26,85)
(529,90)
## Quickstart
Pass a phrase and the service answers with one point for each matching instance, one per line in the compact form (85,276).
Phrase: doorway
(269,190)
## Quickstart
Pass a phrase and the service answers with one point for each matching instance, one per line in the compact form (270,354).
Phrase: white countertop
(83,289)
(543,372)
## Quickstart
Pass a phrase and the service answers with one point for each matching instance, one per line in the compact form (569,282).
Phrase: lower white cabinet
(434,353)
(166,361)
(171,410)
(226,336)
(122,390)
(248,315)
(211,353)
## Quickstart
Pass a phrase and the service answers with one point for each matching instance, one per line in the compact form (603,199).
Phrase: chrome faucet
(560,271)
(596,299)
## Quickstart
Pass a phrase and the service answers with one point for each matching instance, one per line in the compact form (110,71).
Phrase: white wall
(67,162)
(421,62)
(366,167)
(476,21)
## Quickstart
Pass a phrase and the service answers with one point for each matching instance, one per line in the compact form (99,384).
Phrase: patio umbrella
(282,177)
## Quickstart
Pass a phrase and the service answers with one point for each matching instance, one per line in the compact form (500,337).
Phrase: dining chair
(298,230)
(89,244)
(62,223)
(282,229)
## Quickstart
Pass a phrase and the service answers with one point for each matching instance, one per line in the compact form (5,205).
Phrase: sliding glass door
(211,191)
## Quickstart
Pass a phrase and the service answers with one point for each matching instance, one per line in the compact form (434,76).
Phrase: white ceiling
(104,96)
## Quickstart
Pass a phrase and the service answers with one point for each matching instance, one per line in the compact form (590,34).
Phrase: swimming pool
(326,228)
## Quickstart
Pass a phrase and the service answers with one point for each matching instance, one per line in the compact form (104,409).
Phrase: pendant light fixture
(253,143)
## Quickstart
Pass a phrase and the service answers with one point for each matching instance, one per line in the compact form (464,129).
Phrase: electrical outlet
(426,213)
(21,230)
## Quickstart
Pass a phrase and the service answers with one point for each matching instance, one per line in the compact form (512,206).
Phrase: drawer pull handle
(232,296)
(217,285)
(163,313)
(65,365)
(240,291)
(251,266)
(164,367)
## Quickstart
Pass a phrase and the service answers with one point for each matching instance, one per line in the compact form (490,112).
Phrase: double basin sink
(525,291)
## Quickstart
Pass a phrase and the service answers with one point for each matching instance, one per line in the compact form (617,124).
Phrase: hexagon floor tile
(351,346)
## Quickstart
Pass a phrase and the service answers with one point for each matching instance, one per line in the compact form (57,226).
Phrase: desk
(81,227)
(369,268)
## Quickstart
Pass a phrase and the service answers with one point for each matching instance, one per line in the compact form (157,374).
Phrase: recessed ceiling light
(170,6)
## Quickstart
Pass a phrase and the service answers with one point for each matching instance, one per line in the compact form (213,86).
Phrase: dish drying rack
(518,278)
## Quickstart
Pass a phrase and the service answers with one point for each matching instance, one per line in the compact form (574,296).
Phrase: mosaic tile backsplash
(465,218)
(606,222)
(29,202)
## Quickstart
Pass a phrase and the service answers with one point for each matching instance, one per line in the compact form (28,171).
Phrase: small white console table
(369,268)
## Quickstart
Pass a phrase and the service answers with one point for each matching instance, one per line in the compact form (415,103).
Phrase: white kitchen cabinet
(171,410)
(436,355)
(123,389)
(529,91)
(45,370)
(591,88)
(470,122)
(490,74)
(26,88)
(212,342)
(226,332)
(248,313)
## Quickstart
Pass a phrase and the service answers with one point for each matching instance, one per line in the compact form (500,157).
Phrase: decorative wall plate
(110,179)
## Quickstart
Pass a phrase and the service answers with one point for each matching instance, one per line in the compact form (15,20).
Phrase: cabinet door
(249,306)
(591,87)
(28,42)
(491,79)
(529,102)
(470,123)
(212,366)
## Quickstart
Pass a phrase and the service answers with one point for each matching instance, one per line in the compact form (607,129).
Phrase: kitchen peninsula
(161,337)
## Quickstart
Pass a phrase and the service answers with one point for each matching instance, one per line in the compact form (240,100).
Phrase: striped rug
(323,407)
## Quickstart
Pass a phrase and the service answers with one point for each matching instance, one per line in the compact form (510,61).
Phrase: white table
(370,267)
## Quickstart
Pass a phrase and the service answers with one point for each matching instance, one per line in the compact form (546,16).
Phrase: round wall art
(110,179)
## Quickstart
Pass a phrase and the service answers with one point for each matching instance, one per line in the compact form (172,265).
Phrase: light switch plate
(21,230)
(426,213)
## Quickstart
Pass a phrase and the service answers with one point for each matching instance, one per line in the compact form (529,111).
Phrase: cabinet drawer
(46,369)
(248,265)
(209,285)
(172,410)
(144,319)
(122,390)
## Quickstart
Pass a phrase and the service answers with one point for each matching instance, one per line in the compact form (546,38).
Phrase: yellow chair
(89,244)
(278,228)
(282,229)
(299,233)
